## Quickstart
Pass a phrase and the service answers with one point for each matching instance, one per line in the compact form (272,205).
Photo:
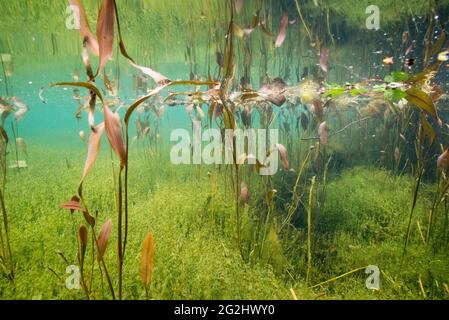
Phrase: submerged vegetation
(364,164)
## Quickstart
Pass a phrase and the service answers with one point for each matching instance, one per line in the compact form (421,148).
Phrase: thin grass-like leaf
(82,234)
(86,85)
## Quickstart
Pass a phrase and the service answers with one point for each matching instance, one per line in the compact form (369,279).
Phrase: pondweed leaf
(114,134)
(282,31)
(105,32)
(93,149)
(323,133)
(443,161)
(85,32)
(147,260)
(324,59)
(283,154)
(422,100)
(103,238)
(73,205)
(239,6)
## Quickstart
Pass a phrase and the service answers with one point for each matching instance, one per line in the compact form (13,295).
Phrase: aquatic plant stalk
(6,256)
(338,277)
(415,198)
(309,230)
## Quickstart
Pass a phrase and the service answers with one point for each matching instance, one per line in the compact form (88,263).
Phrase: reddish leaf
(85,32)
(324,59)
(283,154)
(239,6)
(93,148)
(282,31)
(114,134)
(72,205)
(443,161)
(147,260)
(244,193)
(105,32)
(157,77)
(323,133)
(103,238)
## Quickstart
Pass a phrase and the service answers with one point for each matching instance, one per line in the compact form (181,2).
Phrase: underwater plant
(291,66)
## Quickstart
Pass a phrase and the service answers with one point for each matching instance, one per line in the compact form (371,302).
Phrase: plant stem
(309,228)
(338,277)
(108,277)
(415,198)
(119,235)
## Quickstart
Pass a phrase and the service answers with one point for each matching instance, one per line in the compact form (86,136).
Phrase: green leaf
(389,79)
(358,91)
(395,94)
(399,76)
(335,92)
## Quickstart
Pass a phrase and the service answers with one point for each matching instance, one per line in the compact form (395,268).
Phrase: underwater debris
(20,142)
(323,133)
(443,161)
(388,61)
(324,59)
(244,193)
(443,56)
(20,164)
(41,95)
